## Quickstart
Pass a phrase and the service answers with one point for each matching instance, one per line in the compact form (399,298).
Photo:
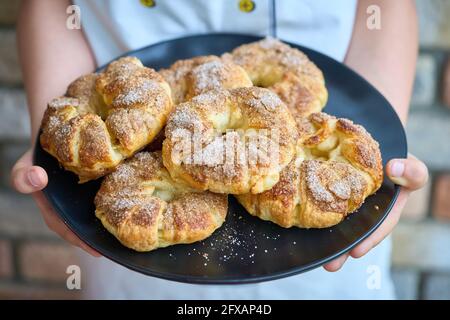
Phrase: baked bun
(285,70)
(338,164)
(191,77)
(145,209)
(106,117)
(230,141)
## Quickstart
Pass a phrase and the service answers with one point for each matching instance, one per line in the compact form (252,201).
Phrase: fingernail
(33,178)
(397,169)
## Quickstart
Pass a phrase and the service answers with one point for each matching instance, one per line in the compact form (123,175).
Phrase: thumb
(27,178)
(410,173)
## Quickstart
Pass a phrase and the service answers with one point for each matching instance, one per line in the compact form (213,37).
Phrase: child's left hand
(411,174)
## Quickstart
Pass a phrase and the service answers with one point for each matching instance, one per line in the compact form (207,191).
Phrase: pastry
(106,117)
(230,141)
(191,77)
(285,70)
(338,164)
(145,209)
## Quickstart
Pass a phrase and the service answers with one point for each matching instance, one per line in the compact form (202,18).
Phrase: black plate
(245,249)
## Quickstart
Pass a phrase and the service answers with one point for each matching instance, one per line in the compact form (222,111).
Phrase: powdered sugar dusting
(269,43)
(340,189)
(209,75)
(184,117)
(265,99)
(64,102)
(314,184)
(123,173)
(137,94)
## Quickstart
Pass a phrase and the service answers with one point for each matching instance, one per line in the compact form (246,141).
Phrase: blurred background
(33,260)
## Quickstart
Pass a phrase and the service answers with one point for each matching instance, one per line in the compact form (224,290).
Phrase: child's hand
(30,179)
(411,174)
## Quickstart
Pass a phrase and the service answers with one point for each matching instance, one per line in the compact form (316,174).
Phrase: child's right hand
(29,179)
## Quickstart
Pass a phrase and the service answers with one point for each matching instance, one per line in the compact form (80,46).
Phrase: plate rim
(249,279)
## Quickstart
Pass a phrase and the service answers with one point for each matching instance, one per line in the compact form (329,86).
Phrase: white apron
(116,26)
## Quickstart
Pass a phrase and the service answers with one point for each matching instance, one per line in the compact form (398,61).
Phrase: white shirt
(116,26)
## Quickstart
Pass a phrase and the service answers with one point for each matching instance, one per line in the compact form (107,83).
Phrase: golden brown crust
(284,70)
(222,130)
(338,165)
(145,209)
(106,117)
(191,77)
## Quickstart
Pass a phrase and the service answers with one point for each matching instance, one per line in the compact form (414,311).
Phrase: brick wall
(33,260)
(421,258)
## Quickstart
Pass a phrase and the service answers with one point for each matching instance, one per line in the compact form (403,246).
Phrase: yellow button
(246,5)
(148,3)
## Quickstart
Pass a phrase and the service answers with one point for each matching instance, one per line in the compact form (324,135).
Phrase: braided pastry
(145,209)
(230,141)
(286,71)
(191,77)
(106,117)
(338,165)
